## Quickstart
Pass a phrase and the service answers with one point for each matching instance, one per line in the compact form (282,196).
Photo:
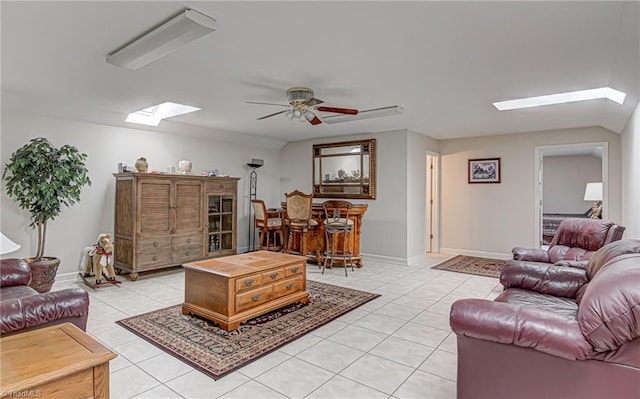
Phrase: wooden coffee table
(233,289)
(60,361)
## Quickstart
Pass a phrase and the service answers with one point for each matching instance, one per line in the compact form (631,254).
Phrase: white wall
(565,179)
(491,219)
(80,225)
(630,142)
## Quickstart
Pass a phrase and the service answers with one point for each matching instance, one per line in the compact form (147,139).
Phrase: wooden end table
(234,289)
(54,362)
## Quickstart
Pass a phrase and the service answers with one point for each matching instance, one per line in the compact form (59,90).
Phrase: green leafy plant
(42,179)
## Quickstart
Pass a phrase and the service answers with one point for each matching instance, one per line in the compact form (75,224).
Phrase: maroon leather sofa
(22,308)
(555,332)
(575,242)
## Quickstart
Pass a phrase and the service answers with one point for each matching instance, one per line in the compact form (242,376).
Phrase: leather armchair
(22,308)
(555,332)
(574,243)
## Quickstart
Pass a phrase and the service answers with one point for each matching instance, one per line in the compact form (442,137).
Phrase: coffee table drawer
(293,270)
(248,283)
(288,286)
(248,300)
(272,276)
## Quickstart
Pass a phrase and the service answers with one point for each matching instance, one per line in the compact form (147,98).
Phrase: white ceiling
(444,62)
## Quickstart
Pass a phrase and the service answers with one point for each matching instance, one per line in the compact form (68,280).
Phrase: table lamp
(7,246)
(593,192)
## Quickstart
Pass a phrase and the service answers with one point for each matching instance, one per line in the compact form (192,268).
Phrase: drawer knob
(274,276)
(188,253)
(188,240)
(155,258)
(248,283)
(294,270)
(155,244)
(255,298)
(289,286)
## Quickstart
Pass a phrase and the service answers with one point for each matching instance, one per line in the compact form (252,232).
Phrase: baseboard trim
(386,259)
(480,254)
(65,277)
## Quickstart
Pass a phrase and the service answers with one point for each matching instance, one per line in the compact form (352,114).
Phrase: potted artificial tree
(42,179)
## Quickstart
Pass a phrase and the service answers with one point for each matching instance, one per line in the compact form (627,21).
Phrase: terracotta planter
(43,273)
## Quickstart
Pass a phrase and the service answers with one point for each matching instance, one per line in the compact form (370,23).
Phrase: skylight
(561,98)
(153,115)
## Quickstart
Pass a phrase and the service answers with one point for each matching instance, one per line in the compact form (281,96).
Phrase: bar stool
(299,221)
(335,227)
(271,236)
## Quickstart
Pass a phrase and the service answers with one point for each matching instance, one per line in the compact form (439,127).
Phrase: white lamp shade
(7,246)
(593,192)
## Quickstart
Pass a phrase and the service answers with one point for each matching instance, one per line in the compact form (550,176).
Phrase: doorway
(598,150)
(432,221)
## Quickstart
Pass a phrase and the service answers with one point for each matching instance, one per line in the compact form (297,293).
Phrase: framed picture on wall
(486,170)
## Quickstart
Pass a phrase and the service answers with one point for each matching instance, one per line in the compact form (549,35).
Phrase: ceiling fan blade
(274,114)
(257,102)
(347,111)
(314,101)
(315,120)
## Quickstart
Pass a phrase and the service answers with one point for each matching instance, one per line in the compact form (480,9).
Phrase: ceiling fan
(304,106)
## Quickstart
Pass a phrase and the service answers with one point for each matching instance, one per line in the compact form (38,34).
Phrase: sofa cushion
(559,305)
(609,313)
(589,234)
(16,291)
(608,252)
(36,310)
(14,271)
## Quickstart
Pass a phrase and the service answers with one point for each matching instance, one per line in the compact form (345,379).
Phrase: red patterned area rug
(473,265)
(216,352)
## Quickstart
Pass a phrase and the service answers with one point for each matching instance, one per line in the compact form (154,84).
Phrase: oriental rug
(473,265)
(215,352)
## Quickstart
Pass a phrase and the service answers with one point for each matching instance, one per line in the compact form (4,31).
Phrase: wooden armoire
(167,220)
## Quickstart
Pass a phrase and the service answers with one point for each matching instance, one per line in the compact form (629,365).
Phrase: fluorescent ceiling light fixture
(366,114)
(153,115)
(561,98)
(184,28)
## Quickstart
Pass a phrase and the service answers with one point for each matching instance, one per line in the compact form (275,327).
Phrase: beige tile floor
(397,346)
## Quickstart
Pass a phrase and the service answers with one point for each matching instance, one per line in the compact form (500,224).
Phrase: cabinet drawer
(294,270)
(248,283)
(219,186)
(187,241)
(186,254)
(154,256)
(153,244)
(272,276)
(288,286)
(253,298)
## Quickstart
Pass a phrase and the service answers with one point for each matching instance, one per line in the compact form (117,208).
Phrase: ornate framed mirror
(345,170)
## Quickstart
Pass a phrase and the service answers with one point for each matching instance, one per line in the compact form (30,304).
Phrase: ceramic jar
(142,165)
(184,167)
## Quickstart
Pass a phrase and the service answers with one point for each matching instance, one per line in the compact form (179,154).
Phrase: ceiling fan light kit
(303,107)
(366,114)
(184,28)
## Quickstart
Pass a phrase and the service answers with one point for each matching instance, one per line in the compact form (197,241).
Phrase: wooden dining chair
(271,236)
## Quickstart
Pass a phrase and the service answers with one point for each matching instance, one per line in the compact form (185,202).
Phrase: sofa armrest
(579,264)
(544,278)
(511,324)
(530,254)
(40,309)
(14,271)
